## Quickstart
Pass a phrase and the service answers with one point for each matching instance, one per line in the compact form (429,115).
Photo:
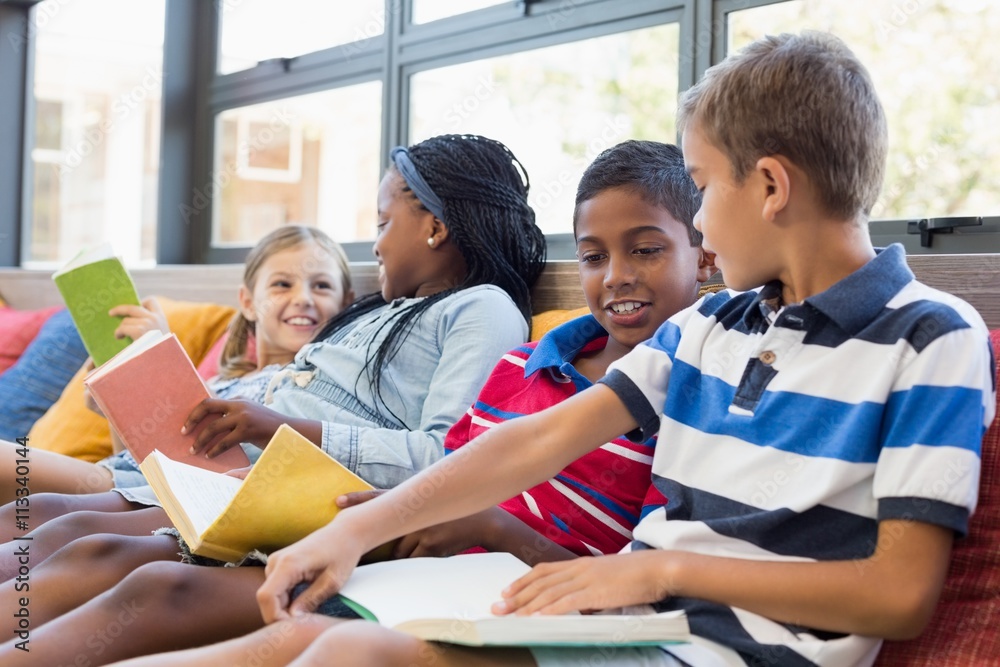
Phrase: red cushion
(965,630)
(17,329)
(209,366)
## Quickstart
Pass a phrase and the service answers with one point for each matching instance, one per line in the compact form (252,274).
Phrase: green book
(91,284)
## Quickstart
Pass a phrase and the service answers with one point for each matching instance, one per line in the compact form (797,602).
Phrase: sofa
(965,631)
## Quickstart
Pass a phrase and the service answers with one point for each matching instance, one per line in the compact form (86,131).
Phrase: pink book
(147,392)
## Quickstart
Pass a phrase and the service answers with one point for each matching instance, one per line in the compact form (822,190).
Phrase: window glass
(255,30)
(311,159)
(96,128)
(557,107)
(425,11)
(934,66)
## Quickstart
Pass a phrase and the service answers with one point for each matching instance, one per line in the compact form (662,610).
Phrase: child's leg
(364,643)
(47,472)
(81,571)
(40,508)
(59,532)
(159,607)
(271,646)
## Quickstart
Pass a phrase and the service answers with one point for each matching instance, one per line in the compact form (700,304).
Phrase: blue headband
(417,184)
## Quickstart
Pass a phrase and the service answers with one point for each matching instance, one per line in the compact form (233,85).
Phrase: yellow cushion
(70,428)
(542,323)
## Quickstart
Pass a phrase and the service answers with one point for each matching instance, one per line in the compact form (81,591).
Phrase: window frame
(195,93)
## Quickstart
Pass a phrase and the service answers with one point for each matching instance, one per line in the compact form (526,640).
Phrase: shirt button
(767,357)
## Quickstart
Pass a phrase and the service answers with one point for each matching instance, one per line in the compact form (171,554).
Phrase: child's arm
(493,529)
(891,594)
(242,421)
(140,319)
(505,460)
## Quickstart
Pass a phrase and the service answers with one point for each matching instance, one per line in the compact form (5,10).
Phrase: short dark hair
(654,171)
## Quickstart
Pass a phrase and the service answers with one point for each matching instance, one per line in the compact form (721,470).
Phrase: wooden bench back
(975,278)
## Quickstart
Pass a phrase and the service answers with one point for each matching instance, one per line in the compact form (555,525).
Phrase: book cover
(147,392)
(290,492)
(449,600)
(91,284)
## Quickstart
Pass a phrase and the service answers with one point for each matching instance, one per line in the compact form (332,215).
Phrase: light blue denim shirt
(429,383)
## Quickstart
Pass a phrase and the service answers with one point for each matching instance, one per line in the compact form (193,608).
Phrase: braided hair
(483,190)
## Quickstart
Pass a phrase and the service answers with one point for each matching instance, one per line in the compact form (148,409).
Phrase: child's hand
(588,583)
(91,404)
(357,497)
(446,539)
(325,558)
(239,473)
(88,400)
(140,319)
(241,421)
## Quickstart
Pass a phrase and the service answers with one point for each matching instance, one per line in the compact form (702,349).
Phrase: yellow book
(289,493)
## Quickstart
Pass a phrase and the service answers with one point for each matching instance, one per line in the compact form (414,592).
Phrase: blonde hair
(233,362)
(806,97)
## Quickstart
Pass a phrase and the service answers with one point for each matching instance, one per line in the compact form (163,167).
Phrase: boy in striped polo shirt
(823,429)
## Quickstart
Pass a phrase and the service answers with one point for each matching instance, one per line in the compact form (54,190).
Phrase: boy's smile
(637,264)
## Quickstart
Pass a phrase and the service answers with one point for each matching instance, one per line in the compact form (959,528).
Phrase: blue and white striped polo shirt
(792,432)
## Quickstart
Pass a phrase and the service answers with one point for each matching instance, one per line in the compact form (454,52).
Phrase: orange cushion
(542,323)
(17,329)
(70,428)
(965,631)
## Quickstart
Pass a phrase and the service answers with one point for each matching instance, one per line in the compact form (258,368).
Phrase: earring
(430,241)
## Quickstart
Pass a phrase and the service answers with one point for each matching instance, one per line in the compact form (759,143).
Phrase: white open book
(449,600)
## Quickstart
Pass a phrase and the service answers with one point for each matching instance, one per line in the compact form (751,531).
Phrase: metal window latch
(525,5)
(284,63)
(928,227)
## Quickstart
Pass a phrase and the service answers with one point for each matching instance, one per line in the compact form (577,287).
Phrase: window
(311,159)
(932,62)
(254,31)
(96,113)
(557,107)
(425,11)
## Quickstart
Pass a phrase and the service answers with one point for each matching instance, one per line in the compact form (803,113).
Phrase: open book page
(202,494)
(449,600)
(472,583)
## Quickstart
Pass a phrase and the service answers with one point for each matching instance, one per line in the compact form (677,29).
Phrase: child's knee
(364,643)
(44,507)
(167,586)
(98,551)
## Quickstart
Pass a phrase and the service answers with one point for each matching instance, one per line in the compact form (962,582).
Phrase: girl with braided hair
(377,389)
